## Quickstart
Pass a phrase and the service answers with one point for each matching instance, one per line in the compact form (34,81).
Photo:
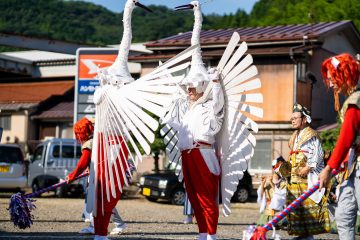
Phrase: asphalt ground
(57,218)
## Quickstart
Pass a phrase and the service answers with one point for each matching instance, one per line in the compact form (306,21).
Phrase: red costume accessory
(83,130)
(344,73)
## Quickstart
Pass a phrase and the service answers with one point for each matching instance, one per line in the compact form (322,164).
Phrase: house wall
(147,68)
(18,128)
(322,102)
(303,93)
(339,43)
(56,129)
(270,145)
(278,91)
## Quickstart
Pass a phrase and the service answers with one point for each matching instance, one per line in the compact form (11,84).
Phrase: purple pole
(295,204)
(260,232)
(20,206)
(52,187)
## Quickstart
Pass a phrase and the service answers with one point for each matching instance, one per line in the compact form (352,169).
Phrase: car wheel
(35,187)
(241,195)
(151,199)
(61,192)
(178,197)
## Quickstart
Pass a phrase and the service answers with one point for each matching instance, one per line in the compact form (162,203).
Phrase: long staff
(260,232)
(20,206)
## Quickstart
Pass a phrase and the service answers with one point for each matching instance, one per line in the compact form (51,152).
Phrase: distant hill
(88,23)
(280,12)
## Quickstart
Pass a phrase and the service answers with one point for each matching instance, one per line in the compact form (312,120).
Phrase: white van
(12,168)
(52,161)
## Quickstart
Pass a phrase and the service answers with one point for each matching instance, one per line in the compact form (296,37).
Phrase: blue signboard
(87,86)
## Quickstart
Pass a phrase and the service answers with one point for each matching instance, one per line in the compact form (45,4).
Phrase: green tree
(329,138)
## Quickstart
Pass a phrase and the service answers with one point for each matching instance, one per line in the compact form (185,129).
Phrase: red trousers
(105,207)
(202,187)
(101,221)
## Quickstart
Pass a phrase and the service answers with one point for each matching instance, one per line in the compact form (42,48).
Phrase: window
(68,151)
(38,154)
(10,155)
(301,71)
(5,122)
(262,155)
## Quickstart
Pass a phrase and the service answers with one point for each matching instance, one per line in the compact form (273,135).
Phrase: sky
(209,6)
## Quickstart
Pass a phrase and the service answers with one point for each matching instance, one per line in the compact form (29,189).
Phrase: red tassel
(259,234)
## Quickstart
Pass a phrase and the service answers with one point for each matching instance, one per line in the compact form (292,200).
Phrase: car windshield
(68,151)
(10,154)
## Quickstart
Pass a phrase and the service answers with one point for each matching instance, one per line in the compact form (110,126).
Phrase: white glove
(99,94)
(102,76)
(213,74)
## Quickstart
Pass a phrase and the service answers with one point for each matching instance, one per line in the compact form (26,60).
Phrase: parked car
(244,189)
(162,185)
(12,168)
(52,161)
(165,185)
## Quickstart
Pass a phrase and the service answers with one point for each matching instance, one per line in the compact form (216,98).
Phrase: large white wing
(241,92)
(175,113)
(125,122)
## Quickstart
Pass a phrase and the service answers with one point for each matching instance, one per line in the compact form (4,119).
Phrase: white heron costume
(211,138)
(122,122)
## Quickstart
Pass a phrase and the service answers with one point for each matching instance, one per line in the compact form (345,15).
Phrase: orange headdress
(83,130)
(344,74)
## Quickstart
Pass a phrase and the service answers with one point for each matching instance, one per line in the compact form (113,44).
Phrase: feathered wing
(235,141)
(123,123)
(174,116)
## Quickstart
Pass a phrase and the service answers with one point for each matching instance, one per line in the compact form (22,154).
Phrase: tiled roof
(14,93)
(16,106)
(327,127)
(61,110)
(209,53)
(36,56)
(253,34)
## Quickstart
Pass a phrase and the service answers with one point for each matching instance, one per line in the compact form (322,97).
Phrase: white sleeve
(314,154)
(218,98)
(261,199)
(215,114)
(175,114)
(279,199)
(98,95)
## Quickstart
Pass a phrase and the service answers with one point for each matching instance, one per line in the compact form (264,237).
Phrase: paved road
(61,219)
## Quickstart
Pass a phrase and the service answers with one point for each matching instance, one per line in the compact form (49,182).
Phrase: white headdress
(335,62)
(197,76)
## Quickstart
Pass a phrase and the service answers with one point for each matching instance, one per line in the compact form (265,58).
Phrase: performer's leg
(205,185)
(357,195)
(190,173)
(346,211)
(188,210)
(116,218)
(101,221)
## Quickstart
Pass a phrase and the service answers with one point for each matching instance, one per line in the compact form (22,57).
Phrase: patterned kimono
(312,216)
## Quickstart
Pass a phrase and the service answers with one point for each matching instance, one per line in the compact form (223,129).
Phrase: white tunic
(200,123)
(315,160)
